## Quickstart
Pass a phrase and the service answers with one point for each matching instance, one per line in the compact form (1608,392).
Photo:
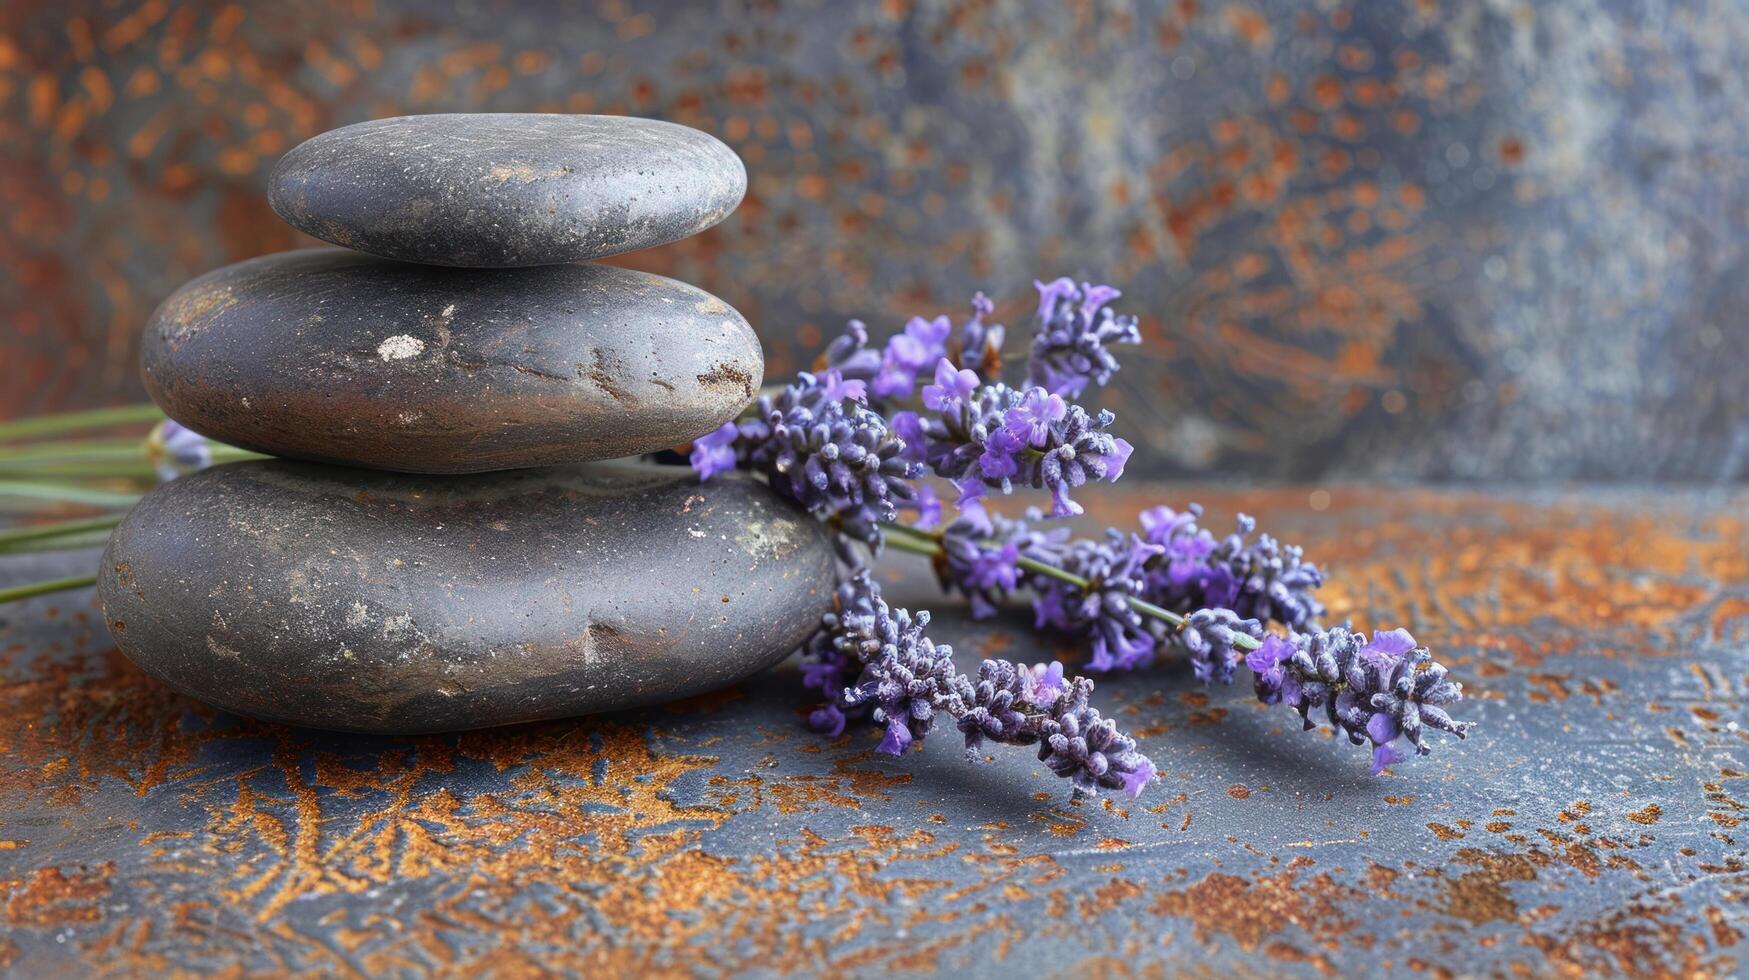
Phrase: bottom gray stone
(365,601)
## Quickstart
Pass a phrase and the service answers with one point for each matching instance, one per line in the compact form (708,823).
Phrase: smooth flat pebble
(496,190)
(339,357)
(377,602)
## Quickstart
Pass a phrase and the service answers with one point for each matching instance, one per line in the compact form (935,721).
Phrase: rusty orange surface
(1590,825)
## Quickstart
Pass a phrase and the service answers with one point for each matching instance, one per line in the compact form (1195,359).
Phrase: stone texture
(493,190)
(382,602)
(1591,826)
(340,357)
(1414,241)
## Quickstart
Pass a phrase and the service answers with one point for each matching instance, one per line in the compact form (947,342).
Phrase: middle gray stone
(339,357)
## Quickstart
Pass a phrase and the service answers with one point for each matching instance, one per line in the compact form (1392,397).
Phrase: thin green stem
(43,425)
(44,588)
(922,542)
(60,529)
(66,494)
(66,542)
(60,448)
(139,469)
(100,451)
(133,464)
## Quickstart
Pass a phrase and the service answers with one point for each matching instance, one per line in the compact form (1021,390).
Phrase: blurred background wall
(1394,239)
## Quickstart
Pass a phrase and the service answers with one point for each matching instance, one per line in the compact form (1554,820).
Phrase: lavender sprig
(837,441)
(1379,690)
(891,372)
(993,437)
(1101,611)
(814,442)
(906,680)
(1257,578)
(1376,690)
(1075,329)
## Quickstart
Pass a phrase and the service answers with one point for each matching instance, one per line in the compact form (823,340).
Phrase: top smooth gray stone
(500,190)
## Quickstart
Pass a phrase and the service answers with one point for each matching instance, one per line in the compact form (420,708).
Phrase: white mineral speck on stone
(400,347)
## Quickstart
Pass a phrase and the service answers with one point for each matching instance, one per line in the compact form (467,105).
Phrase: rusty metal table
(1591,823)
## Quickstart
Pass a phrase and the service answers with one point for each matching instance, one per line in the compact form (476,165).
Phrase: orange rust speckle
(1647,815)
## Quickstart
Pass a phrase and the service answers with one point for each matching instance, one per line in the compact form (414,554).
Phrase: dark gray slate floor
(1592,823)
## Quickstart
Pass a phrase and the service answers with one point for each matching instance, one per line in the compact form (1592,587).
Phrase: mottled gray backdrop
(1392,239)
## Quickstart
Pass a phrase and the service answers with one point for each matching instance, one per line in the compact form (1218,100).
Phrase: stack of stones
(437,548)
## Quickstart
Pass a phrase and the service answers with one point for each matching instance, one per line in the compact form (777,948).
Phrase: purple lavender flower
(998,437)
(1001,458)
(834,387)
(952,387)
(1379,690)
(1259,579)
(891,372)
(1211,637)
(1088,750)
(175,449)
(903,674)
(922,343)
(714,452)
(1043,684)
(976,345)
(832,455)
(906,680)
(1121,639)
(927,507)
(981,554)
(1030,420)
(1075,328)
(996,705)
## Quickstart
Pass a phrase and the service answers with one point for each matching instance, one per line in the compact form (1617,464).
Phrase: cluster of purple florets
(1076,332)
(818,443)
(851,440)
(1378,690)
(870,659)
(1225,592)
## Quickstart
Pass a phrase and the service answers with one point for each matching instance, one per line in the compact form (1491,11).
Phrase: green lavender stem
(44,588)
(66,494)
(922,542)
(49,449)
(43,425)
(29,538)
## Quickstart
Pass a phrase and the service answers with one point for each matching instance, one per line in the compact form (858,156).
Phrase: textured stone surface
(506,189)
(1593,825)
(1400,239)
(335,356)
(380,602)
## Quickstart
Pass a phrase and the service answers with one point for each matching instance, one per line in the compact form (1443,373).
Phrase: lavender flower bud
(1378,690)
(981,553)
(905,680)
(1088,750)
(815,443)
(1121,638)
(976,345)
(1261,579)
(1075,327)
(996,437)
(850,355)
(174,449)
(1211,637)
